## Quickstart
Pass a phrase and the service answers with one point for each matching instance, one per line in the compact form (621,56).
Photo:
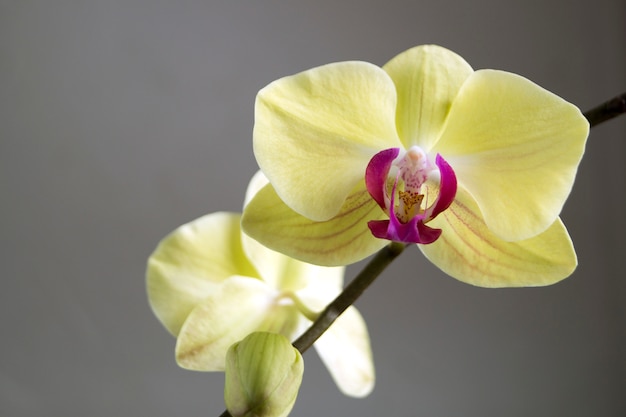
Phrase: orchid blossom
(211,286)
(473,166)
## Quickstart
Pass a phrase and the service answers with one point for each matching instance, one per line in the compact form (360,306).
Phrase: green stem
(607,110)
(347,297)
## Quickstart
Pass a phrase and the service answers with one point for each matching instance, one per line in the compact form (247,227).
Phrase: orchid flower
(472,166)
(211,286)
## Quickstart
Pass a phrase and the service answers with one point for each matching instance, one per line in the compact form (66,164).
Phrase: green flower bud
(263,375)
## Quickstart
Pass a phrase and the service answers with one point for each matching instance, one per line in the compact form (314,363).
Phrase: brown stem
(349,295)
(607,110)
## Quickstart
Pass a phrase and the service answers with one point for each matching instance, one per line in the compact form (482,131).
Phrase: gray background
(120,120)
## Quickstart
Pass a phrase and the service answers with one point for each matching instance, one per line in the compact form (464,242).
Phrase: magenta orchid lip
(407,204)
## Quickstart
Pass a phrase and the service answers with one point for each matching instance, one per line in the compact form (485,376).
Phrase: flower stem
(347,297)
(607,110)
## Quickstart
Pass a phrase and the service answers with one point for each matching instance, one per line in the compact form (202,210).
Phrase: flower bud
(263,375)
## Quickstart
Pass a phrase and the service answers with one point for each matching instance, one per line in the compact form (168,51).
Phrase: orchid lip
(406,203)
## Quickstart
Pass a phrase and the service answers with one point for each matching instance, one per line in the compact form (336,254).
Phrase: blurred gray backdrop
(121,120)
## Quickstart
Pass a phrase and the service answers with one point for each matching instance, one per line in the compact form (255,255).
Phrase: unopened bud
(263,375)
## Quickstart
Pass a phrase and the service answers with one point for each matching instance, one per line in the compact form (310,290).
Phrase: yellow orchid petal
(283,272)
(340,241)
(316,131)
(345,350)
(257,182)
(190,263)
(324,283)
(427,79)
(240,306)
(288,274)
(515,147)
(468,251)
